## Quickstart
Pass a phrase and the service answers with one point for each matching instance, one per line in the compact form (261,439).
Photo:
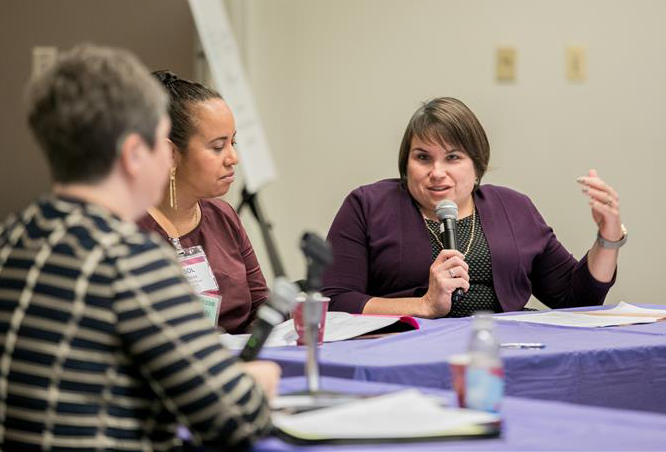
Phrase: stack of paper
(404,415)
(622,314)
(339,326)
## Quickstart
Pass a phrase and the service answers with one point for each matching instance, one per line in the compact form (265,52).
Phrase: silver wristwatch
(613,245)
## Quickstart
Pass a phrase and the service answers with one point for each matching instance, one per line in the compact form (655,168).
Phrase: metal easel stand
(250,200)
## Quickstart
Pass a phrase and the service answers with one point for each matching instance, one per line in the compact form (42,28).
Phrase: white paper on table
(339,326)
(403,414)
(622,314)
(623,309)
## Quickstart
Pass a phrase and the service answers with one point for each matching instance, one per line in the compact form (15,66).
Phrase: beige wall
(337,80)
(160,32)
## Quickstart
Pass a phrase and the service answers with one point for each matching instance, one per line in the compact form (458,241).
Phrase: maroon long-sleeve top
(230,254)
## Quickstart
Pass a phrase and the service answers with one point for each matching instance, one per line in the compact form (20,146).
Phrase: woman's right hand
(447,273)
(266,374)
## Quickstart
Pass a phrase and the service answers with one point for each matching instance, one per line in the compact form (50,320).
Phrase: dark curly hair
(184,95)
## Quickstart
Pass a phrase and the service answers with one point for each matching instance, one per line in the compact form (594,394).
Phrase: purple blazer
(381,249)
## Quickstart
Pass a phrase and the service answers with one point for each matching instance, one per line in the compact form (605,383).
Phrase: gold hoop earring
(173,199)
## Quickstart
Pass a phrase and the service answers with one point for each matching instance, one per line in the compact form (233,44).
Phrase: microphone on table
(281,302)
(318,255)
(447,212)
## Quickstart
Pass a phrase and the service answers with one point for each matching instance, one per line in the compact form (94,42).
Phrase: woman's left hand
(605,205)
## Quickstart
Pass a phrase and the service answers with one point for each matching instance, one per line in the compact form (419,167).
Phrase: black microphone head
(447,210)
(316,248)
(318,254)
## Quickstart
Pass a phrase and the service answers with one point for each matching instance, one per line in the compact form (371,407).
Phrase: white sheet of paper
(622,314)
(626,308)
(340,326)
(404,414)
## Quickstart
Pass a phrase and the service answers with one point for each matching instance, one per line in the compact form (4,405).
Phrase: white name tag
(196,269)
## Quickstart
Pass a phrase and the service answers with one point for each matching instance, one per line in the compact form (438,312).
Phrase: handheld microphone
(282,300)
(447,212)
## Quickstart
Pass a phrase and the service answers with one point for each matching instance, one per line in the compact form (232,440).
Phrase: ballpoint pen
(522,345)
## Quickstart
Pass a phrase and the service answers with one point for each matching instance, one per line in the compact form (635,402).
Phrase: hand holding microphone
(447,212)
(449,277)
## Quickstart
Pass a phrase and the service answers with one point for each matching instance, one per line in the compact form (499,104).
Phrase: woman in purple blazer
(388,254)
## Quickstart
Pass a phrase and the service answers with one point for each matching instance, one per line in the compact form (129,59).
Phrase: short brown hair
(446,120)
(82,108)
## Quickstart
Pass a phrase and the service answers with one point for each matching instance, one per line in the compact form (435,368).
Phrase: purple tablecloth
(617,367)
(527,425)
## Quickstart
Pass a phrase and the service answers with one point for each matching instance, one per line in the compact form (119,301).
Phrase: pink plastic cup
(299,325)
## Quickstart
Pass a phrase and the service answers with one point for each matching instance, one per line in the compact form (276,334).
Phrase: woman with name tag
(389,257)
(215,252)
(104,346)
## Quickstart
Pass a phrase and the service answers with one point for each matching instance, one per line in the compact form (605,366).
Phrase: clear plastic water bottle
(484,377)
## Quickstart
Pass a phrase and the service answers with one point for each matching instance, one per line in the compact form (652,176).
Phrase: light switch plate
(506,64)
(42,58)
(576,64)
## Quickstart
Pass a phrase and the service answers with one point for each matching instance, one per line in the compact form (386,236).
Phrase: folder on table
(404,416)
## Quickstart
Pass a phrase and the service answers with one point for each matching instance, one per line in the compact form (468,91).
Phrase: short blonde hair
(82,108)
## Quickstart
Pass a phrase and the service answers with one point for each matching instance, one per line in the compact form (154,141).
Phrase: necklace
(197,215)
(169,227)
(471,236)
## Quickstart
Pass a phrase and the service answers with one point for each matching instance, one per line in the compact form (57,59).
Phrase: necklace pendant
(471,237)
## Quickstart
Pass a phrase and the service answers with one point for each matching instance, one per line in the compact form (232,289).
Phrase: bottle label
(484,388)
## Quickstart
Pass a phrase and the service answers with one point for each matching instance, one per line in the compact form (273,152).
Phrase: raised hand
(605,205)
